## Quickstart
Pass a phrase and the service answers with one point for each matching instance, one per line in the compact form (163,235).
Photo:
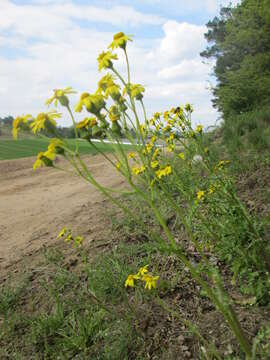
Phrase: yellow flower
(142,271)
(138,169)
(114,113)
(105,82)
(118,165)
(78,241)
(113,91)
(211,189)
(221,164)
(135,90)
(107,85)
(157,127)
(62,232)
(44,120)
(200,195)
(130,280)
(166,115)
(17,122)
(79,105)
(172,122)
(120,40)
(199,128)
(167,128)
(153,139)
(86,123)
(154,164)
(92,103)
(131,155)
(150,281)
(61,96)
(152,121)
(44,159)
(182,156)
(148,148)
(105,60)
(142,128)
(170,148)
(164,172)
(157,115)
(55,146)
(156,153)
(69,237)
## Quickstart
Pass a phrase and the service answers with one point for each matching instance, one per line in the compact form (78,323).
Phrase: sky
(48,44)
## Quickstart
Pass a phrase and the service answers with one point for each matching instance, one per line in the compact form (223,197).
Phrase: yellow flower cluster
(200,195)
(44,120)
(138,169)
(68,237)
(131,155)
(164,171)
(107,86)
(221,164)
(150,281)
(154,164)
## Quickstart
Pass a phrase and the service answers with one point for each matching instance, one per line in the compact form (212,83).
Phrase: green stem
(128,68)
(75,128)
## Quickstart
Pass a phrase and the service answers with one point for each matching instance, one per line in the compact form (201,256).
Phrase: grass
(21,148)
(83,311)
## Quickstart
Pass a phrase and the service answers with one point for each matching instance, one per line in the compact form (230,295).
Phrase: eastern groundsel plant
(161,144)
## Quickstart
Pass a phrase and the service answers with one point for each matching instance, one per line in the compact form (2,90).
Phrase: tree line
(239,42)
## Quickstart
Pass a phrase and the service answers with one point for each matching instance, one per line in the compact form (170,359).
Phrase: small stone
(181,338)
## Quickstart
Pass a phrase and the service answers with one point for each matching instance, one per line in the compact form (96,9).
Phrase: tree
(239,41)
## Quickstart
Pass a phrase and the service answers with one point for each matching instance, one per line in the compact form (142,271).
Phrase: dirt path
(34,206)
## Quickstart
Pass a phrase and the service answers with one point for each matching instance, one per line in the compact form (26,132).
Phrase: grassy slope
(11,149)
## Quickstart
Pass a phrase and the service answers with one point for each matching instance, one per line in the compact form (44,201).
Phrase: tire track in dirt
(34,206)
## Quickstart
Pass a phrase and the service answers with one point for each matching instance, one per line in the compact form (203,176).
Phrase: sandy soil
(34,206)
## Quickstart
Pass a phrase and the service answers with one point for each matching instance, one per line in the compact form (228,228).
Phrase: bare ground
(34,206)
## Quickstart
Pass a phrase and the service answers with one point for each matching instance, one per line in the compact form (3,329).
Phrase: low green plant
(170,165)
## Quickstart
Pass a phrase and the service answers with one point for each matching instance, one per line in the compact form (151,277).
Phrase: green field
(14,149)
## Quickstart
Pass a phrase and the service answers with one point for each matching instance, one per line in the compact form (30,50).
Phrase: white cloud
(46,19)
(64,54)
(181,41)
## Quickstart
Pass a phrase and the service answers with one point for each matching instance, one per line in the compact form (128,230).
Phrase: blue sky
(48,44)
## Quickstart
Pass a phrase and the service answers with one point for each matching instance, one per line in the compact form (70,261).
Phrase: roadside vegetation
(186,273)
